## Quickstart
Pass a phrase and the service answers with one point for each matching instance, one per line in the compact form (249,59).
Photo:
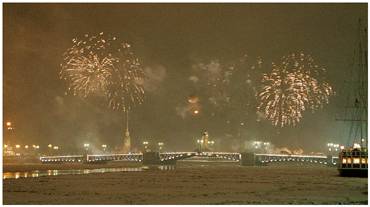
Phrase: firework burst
(99,64)
(318,89)
(282,98)
(292,87)
(125,86)
(88,64)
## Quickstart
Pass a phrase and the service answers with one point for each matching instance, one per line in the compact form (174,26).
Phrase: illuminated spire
(126,138)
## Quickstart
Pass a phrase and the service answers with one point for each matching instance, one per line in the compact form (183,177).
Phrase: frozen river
(188,183)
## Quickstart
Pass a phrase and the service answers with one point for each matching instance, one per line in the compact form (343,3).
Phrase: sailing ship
(353,160)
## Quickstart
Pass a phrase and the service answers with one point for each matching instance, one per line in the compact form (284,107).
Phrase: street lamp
(9,125)
(211,142)
(145,143)
(266,146)
(199,145)
(86,146)
(55,148)
(17,147)
(10,133)
(330,145)
(26,146)
(160,146)
(104,146)
(257,144)
(35,147)
(50,146)
(336,147)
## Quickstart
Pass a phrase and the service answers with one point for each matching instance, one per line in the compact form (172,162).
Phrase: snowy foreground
(191,183)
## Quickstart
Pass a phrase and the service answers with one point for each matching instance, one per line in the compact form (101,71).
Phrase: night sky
(170,39)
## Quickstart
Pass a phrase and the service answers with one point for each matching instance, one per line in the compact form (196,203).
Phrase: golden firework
(292,87)
(88,64)
(99,64)
(125,87)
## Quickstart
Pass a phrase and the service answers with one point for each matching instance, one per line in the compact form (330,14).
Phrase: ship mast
(358,92)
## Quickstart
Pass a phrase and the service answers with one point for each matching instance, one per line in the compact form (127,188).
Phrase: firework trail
(292,87)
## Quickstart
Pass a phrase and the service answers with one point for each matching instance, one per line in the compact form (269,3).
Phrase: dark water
(40,173)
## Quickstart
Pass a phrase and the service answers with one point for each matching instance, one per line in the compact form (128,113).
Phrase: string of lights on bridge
(52,152)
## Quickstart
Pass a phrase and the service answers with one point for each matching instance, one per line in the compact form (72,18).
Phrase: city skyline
(171,40)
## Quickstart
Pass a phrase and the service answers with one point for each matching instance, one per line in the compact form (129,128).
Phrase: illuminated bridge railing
(208,155)
(230,156)
(60,159)
(132,157)
(317,159)
(174,156)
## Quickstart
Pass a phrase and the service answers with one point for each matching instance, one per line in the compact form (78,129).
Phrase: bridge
(171,158)
(318,159)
